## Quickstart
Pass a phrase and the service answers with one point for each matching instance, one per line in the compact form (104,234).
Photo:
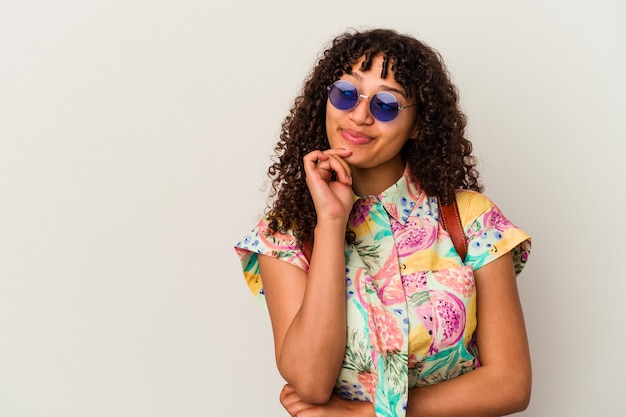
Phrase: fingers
(316,155)
(325,163)
(287,390)
(292,402)
(338,166)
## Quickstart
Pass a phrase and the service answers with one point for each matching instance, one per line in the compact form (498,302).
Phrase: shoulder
(282,245)
(261,240)
(489,232)
(472,204)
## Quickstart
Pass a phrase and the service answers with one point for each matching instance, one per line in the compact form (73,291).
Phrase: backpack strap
(307,249)
(451,222)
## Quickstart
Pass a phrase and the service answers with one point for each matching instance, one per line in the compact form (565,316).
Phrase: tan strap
(307,249)
(451,222)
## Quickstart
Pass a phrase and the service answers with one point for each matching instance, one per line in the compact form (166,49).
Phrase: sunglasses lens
(343,95)
(384,106)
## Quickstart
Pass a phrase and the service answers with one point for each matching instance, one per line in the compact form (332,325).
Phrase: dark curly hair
(439,159)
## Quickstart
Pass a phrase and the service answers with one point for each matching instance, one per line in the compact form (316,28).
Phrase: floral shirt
(411,301)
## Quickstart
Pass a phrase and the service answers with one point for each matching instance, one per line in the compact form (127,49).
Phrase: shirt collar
(401,199)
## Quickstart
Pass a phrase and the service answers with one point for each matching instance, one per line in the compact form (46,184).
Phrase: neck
(373,181)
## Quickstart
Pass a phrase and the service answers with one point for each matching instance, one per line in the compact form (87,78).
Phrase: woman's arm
(308,315)
(308,310)
(502,384)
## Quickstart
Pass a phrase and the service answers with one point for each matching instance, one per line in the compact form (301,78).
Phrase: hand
(335,407)
(330,183)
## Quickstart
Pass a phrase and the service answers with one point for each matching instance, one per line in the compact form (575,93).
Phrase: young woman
(374,313)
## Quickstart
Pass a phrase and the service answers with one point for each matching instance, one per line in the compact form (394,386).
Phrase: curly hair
(440,158)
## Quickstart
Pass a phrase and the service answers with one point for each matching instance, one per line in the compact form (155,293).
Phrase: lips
(354,137)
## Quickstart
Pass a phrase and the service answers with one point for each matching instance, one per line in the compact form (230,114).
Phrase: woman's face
(375,145)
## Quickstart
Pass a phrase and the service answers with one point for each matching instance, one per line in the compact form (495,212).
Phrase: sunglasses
(384,106)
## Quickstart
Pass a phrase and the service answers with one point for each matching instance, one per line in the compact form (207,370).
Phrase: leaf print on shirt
(358,357)
(475,230)
(370,255)
(379,217)
(396,368)
(446,364)
(278,241)
(392,389)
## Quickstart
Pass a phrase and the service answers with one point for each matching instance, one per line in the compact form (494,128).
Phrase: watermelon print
(410,301)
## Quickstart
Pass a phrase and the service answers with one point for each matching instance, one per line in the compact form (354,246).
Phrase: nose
(361,114)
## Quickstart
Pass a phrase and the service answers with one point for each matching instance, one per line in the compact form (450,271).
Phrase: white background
(134,140)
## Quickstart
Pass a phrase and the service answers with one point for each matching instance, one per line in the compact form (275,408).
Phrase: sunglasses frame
(359,96)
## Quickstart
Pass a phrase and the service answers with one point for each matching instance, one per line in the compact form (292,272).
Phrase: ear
(414,132)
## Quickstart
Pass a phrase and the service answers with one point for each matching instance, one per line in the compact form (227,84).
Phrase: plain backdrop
(134,140)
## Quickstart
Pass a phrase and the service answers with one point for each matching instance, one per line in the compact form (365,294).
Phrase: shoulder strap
(307,249)
(451,222)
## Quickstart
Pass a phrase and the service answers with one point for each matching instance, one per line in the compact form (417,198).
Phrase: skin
(308,310)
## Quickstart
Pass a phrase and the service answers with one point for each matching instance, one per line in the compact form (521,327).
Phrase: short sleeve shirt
(411,301)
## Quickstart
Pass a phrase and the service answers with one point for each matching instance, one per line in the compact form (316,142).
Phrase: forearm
(483,392)
(314,345)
